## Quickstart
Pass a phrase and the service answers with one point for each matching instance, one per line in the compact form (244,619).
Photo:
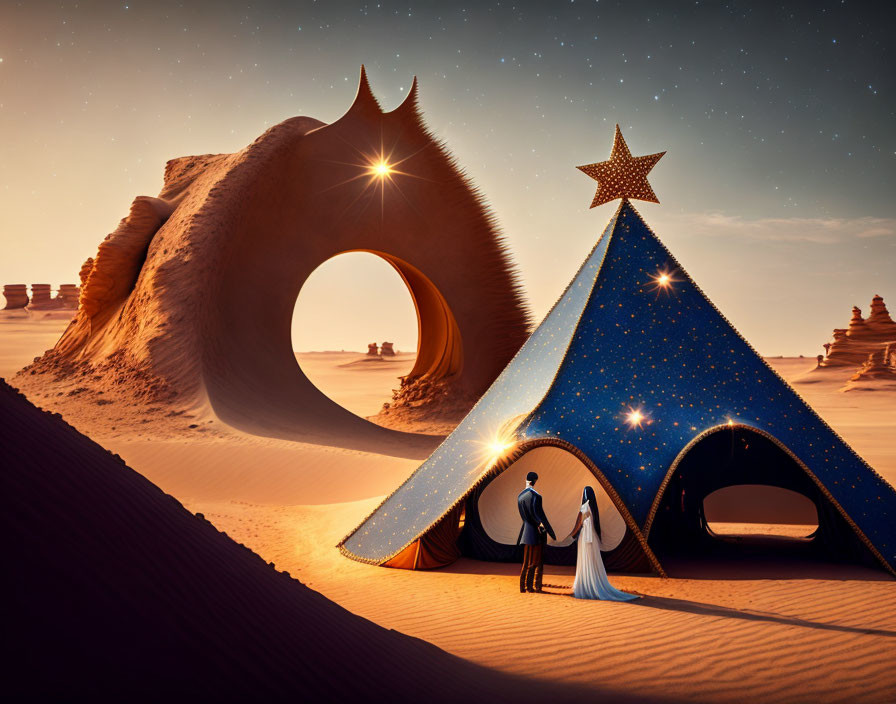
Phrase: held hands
(562,543)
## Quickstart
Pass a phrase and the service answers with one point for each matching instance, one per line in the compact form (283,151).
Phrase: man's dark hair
(532,477)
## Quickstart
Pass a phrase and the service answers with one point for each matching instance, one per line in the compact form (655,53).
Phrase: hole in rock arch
(347,303)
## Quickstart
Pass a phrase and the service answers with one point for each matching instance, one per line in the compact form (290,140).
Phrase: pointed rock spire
(365,102)
(880,324)
(409,106)
(857,326)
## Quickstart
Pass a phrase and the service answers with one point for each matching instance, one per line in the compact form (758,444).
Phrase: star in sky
(622,175)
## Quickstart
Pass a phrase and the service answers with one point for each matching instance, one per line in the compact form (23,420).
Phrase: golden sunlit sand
(779,632)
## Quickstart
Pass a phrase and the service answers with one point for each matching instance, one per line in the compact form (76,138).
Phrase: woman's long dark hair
(588,495)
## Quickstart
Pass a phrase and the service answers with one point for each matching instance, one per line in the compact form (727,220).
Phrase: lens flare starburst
(380,172)
(636,417)
(381,168)
(662,281)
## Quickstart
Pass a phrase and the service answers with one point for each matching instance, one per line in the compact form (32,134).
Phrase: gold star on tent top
(622,175)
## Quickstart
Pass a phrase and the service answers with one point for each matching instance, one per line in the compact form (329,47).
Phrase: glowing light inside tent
(498,446)
(663,279)
(730,422)
(635,418)
(494,442)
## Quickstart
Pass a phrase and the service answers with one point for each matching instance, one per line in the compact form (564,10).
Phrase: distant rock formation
(41,297)
(852,346)
(372,350)
(881,364)
(16,296)
(68,296)
(386,350)
(879,324)
(857,326)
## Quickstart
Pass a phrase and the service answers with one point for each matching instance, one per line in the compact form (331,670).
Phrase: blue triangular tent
(614,342)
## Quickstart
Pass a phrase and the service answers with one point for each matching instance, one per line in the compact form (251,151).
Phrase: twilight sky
(779,122)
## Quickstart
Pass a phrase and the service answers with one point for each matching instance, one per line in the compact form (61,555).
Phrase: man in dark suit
(533,535)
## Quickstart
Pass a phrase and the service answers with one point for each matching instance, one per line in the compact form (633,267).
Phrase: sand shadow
(697,567)
(769,566)
(693,607)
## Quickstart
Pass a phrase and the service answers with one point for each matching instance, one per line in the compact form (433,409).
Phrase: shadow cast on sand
(769,566)
(742,569)
(693,607)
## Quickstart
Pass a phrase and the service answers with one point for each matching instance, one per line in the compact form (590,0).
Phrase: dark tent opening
(742,458)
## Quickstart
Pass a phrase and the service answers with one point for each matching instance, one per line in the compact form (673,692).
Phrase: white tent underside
(561,479)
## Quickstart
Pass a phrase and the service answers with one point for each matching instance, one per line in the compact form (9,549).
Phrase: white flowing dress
(591,577)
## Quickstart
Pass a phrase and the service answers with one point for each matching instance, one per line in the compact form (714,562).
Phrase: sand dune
(786,633)
(25,335)
(122,595)
(263,471)
(363,393)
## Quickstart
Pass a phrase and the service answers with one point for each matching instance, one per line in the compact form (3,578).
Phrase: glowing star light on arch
(622,175)
(381,168)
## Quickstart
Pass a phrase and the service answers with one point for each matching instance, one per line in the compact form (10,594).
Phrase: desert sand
(363,393)
(866,419)
(745,631)
(120,594)
(26,335)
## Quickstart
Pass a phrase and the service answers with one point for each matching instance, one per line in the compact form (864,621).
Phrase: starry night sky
(778,120)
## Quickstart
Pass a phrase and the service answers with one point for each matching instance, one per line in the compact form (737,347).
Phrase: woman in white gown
(591,577)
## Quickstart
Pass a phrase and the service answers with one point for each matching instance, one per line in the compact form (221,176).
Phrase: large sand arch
(189,302)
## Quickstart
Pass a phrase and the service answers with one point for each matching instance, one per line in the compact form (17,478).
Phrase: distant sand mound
(368,362)
(117,593)
(877,373)
(188,305)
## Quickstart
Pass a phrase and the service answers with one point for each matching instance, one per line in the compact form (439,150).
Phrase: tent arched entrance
(474,528)
(736,455)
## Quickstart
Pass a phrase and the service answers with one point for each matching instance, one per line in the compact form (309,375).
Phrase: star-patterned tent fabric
(631,367)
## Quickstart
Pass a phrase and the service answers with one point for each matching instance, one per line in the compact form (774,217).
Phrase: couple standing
(591,578)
